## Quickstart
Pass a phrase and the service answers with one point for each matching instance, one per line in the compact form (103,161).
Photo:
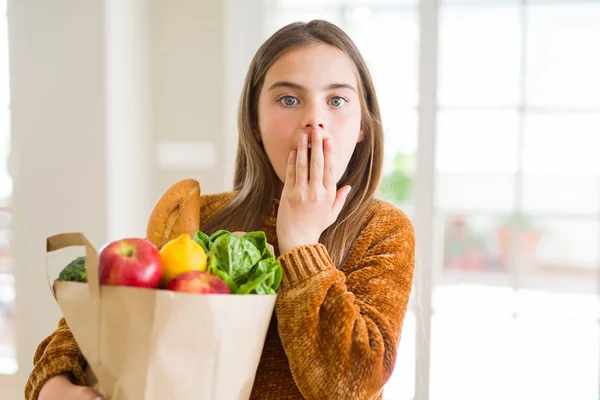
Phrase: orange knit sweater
(334,333)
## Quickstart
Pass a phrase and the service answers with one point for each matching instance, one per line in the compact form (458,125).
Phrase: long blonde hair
(256,180)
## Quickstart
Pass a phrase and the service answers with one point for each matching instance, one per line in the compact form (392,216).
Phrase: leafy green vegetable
(225,276)
(265,279)
(74,271)
(259,240)
(235,255)
(216,235)
(245,263)
(203,240)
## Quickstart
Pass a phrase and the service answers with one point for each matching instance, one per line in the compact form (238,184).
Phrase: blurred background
(491,111)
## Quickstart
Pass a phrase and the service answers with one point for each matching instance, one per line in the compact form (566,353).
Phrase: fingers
(316,158)
(290,176)
(302,162)
(340,199)
(328,173)
(86,393)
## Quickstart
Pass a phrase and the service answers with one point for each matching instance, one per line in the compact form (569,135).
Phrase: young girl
(309,160)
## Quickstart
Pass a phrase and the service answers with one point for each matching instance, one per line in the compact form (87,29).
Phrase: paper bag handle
(63,240)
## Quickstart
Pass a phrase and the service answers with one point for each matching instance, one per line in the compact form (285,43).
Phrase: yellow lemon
(181,255)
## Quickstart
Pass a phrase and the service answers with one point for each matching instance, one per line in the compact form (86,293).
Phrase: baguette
(176,212)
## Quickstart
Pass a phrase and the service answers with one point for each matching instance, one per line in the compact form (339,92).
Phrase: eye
(337,101)
(288,101)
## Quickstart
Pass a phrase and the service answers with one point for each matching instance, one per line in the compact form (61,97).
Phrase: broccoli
(75,271)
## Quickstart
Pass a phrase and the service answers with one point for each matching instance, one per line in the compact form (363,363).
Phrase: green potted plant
(396,186)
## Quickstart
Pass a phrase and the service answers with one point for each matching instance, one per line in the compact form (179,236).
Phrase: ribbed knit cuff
(303,262)
(52,366)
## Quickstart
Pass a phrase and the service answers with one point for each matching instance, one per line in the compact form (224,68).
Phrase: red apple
(130,262)
(198,282)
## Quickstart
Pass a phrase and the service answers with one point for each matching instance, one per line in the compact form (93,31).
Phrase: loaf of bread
(176,212)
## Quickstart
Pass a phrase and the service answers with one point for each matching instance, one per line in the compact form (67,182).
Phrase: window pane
(562,55)
(567,194)
(545,2)
(557,303)
(8,356)
(554,303)
(281,18)
(562,143)
(476,243)
(477,159)
(480,56)
(555,359)
(333,3)
(480,2)
(389,42)
(472,358)
(384,3)
(5,142)
(482,192)
(513,358)
(474,315)
(566,248)
(478,141)
(307,3)
(401,385)
(4,70)
(400,135)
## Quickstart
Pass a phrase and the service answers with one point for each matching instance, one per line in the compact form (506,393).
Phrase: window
(517,187)
(8,362)
(518,200)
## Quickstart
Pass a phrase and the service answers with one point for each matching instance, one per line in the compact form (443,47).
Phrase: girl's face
(310,87)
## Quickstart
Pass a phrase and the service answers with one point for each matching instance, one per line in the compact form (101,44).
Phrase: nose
(314,117)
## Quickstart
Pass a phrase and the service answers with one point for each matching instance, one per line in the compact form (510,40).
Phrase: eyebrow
(296,86)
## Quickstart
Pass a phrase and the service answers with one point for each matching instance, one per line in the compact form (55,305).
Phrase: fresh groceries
(193,338)
(223,263)
(181,255)
(130,262)
(245,263)
(198,282)
(177,211)
(75,271)
(162,317)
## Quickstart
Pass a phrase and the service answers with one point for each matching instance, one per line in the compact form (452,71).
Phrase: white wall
(187,62)
(96,86)
(128,117)
(58,128)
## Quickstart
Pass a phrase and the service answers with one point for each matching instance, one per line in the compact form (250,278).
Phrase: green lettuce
(245,263)
(203,240)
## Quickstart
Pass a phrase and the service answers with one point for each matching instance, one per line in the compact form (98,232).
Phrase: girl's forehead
(313,66)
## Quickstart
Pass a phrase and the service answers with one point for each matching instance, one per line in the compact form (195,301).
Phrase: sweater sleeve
(56,354)
(341,332)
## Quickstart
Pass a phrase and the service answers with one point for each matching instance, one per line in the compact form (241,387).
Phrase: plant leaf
(203,240)
(234,255)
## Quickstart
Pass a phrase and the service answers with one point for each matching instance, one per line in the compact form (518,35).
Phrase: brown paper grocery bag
(156,344)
